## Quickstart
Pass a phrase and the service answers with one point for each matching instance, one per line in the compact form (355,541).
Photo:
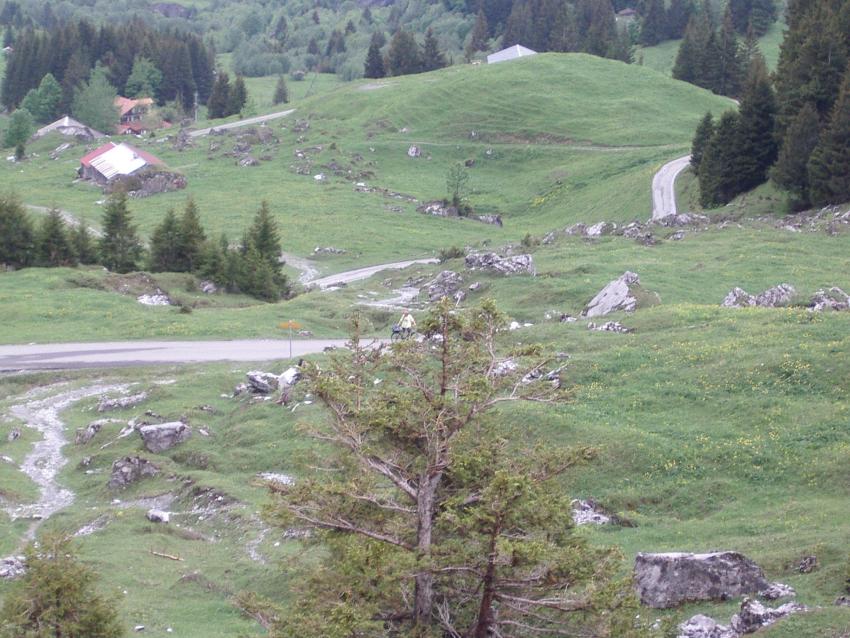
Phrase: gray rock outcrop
(12,567)
(588,512)
(260,382)
(491,262)
(86,434)
(623,294)
(778,590)
(775,297)
(129,469)
(121,402)
(670,579)
(832,299)
(158,516)
(446,284)
(704,627)
(754,615)
(683,219)
(164,436)
(611,326)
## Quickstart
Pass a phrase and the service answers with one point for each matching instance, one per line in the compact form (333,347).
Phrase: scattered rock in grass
(446,284)
(623,294)
(7,459)
(753,615)
(95,526)
(704,627)
(12,567)
(86,434)
(276,478)
(778,590)
(679,235)
(549,238)
(504,368)
(588,512)
(208,287)
(475,287)
(414,151)
(808,564)
(158,516)
(842,601)
(775,297)
(157,299)
(164,436)
(600,230)
(328,250)
(683,219)
(832,299)
(121,403)
(85,461)
(567,318)
(576,229)
(513,265)
(14,435)
(670,579)
(260,382)
(129,469)
(248,161)
(611,326)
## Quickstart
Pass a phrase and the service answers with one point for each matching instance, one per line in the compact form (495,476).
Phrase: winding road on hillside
(664,187)
(260,119)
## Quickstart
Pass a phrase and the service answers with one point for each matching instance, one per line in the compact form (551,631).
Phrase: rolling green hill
(553,139)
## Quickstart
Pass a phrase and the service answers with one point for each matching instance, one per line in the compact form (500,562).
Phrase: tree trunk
(424,592)
(488,589)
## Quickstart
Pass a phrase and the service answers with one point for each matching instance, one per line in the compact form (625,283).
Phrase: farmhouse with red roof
(115,160)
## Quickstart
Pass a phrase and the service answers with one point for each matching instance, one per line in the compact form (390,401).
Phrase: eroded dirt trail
(45,460)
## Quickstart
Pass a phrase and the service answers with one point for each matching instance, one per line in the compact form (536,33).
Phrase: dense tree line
(794,129)
(404,56)
(178,244)
(180,63)
(226,98)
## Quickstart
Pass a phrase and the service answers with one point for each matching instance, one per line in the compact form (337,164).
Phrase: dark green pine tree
(432,57)
(791,169)
(740,11)
(678,15)
(829,166)
(654,28)
(165,245)
(403,56)
(717,176)
(119,247)
(53,244)
(478,36)
(728,61)
(281,94)
(703,135)
(213,266)
(756,147)
(218,102)
(191,238)
(762,15)
(263,235)
(692,50)
(258,278)
(237,97)
(81,242)
(374,67)
(16,233)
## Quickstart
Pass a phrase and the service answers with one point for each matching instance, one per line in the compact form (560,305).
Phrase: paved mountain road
(260,119)
(116,354)
(359,274)
(664,187)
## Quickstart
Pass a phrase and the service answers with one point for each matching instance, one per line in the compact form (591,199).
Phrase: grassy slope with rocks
(717,428)
(561,137)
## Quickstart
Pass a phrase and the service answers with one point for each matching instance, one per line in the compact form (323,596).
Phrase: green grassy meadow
(582,145)
(716,428)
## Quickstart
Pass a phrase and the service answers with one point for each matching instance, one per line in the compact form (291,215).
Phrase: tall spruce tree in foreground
(718,178)
(791,170)
(16,233)
(281,95)
(703,135)
(57,596)
(437,522)
(217,105)
(237,97)
(119,247)
(829,166)
(53,244)
(19,129)
(374,67)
